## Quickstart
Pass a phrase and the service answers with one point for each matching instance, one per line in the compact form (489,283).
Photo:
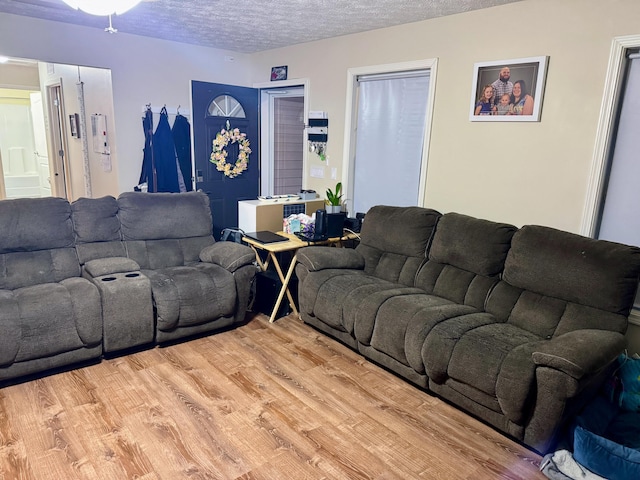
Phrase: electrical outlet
(334,173)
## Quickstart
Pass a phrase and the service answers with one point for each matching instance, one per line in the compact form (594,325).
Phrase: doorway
(282,136)
(228,116)
(24,158)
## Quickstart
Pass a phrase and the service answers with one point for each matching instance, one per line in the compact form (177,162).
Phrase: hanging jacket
(164,156)
(146,174)
(181,132)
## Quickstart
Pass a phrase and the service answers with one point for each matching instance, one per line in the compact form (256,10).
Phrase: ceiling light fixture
(102,7)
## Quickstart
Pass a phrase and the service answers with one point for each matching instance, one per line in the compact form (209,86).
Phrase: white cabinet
(257,215)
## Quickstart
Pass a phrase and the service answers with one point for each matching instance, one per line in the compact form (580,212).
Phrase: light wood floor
(263,401)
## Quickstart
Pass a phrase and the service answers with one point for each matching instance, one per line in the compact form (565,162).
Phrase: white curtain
(620,221)
(389,139)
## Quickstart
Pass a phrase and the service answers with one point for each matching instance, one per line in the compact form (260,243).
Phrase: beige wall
(515,172)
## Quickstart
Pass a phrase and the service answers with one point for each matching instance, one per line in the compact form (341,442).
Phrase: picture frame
(529,72)
(279,73)
(74,122)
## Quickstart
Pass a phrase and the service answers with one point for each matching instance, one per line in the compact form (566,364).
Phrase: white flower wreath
(219,153)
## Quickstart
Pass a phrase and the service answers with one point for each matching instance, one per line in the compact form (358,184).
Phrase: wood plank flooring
(263,401)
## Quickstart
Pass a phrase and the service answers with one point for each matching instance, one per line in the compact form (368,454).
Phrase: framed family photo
(508,90)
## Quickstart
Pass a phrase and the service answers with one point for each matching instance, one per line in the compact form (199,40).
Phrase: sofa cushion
(159,216)
(49,319)
(403,322)
(335,296)
(170,252)
(23,269)
(443,338)
(31,224)
(465,259)
(97,228)
(558,264)
(556,282)
(190,295)
(496,360)
(394,241)
(95,219)
(471,244)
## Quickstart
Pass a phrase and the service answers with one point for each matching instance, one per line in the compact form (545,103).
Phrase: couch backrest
(97,228)
(555,282)
(466,257)
(394,241)
(36,242)
(165,229)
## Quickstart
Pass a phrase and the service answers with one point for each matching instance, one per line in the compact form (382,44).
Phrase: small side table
(292,245)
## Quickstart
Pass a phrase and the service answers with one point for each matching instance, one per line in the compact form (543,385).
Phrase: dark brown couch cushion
(394,241)
(581,270)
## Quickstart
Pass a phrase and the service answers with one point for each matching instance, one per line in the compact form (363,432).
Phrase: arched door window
(225,106)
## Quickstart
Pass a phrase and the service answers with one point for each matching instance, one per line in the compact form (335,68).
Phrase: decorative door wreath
(219,154)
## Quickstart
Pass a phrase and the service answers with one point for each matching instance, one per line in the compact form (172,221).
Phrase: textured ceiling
(248,26)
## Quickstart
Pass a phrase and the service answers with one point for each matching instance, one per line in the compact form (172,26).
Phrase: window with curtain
(391,122)
(619,219)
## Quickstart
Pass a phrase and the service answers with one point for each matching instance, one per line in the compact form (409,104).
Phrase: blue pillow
(604,457)
(630,376)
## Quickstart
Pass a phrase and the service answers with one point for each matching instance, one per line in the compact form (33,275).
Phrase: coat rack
(185,112)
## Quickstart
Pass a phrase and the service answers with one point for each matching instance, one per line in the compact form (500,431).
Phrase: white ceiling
(248,26)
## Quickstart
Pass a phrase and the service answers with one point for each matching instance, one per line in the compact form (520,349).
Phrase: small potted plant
(334,199)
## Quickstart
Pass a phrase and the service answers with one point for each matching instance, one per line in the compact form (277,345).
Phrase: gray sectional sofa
(104,275)
(516,326)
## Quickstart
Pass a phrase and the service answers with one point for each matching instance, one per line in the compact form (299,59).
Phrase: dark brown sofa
(516,326)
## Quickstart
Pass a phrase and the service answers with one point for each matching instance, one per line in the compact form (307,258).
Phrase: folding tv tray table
(289,243)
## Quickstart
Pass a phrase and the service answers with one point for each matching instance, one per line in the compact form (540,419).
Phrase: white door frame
(266,117)
(606,122)
(267,121)
(348,167)
(58,164)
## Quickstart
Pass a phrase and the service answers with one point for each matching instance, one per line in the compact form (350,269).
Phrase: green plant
(334,199)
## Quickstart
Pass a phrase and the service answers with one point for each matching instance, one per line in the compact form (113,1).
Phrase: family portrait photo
(508,90)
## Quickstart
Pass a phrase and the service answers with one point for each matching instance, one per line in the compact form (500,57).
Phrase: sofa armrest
(580,353)
(229,255)
(108,266)
(322,258)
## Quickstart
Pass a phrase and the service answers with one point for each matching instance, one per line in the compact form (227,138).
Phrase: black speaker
(335,224)
(320,228)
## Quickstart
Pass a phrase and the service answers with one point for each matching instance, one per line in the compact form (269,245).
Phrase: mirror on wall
(44,108)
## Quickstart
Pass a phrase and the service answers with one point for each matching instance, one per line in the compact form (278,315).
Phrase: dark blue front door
(213,106)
